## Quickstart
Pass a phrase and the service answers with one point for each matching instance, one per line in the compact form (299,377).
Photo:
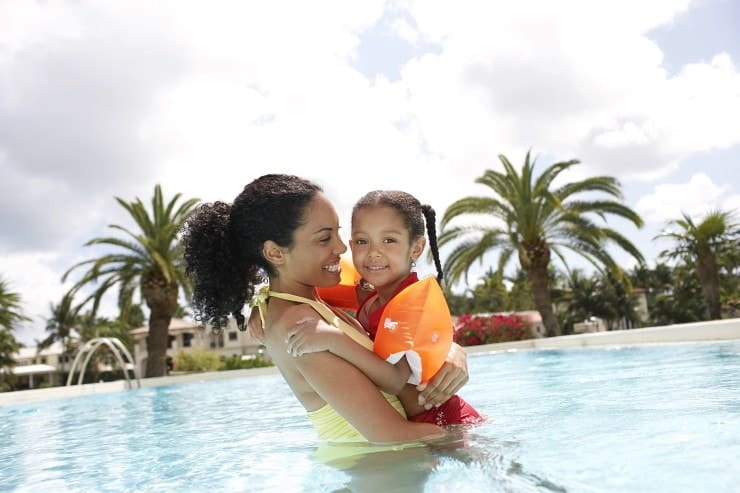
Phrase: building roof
(176,325)
(33,370)
(30,352)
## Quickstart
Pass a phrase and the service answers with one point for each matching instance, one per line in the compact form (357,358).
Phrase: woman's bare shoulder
(286,316)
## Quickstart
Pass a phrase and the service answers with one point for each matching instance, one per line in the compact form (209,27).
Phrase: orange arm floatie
(343,295)
(416,323)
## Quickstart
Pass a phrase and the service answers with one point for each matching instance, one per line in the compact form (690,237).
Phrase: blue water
(650,418)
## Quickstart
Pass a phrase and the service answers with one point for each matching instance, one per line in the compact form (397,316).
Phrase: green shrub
(196,360)
(237,363)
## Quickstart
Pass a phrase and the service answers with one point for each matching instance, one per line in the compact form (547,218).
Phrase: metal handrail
(118,350)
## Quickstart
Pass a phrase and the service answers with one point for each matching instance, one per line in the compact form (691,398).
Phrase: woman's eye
(325,240)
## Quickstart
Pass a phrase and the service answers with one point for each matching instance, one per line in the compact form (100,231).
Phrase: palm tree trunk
(706,269)
(540,283)
(161,298)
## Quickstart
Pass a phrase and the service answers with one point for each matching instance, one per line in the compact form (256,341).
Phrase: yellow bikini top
(260,301)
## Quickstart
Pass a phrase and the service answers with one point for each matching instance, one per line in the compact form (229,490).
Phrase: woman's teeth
(332,268)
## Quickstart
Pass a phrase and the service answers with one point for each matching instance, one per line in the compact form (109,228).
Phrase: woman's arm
(313,334)
(346,389)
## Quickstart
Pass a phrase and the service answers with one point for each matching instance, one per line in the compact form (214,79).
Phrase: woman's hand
(447,381)
(311,335)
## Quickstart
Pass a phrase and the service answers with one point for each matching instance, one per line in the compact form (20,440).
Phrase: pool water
(644,418)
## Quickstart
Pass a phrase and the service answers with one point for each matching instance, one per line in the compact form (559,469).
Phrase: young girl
(387,239)
(284,230)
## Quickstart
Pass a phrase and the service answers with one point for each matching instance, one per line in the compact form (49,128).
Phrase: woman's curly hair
(223,243)
(413,213)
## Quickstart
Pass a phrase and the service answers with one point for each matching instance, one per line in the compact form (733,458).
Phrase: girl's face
(382,249)
(313,260)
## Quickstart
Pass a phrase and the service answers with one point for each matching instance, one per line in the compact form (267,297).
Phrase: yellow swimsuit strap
(260,301)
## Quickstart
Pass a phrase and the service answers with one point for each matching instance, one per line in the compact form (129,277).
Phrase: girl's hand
(311,335)
(447,381)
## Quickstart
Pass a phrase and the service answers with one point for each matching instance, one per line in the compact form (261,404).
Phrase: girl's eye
(389,240)
(360,242)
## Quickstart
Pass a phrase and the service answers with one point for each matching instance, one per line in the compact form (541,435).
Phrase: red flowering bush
(472,330)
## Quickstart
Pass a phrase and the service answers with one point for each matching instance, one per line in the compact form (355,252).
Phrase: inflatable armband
(343,295)
(416,323)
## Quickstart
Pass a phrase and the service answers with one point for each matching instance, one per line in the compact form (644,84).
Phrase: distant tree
(11,315)
(490,294)
(65,318)
(149,261)
(682,302)
(701,244)
(673,294)
(656,281)
(520,292)
(459,303)
(579,302)
(535,221)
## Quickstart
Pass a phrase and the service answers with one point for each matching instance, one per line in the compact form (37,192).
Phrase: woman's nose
(341,246)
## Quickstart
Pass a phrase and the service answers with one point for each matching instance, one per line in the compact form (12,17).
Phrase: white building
(188,336)
(34,367)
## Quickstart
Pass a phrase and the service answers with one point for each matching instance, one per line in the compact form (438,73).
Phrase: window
(217,340)
(170,340)
(232,335)
(187,337)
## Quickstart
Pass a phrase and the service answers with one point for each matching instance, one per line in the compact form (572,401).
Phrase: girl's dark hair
(413,212)
(223,244)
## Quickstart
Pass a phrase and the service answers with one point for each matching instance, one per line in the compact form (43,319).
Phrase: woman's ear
(273,253)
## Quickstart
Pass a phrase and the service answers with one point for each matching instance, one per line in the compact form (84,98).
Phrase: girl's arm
(447,381)
(312,334)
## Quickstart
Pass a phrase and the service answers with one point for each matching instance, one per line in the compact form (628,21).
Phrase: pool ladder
(118,350)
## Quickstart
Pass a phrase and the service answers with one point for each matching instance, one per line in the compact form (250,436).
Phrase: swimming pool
(643,418)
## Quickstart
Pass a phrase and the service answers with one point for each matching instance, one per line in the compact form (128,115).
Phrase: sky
(106,99)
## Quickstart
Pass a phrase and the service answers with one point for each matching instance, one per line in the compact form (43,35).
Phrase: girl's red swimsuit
(453,411)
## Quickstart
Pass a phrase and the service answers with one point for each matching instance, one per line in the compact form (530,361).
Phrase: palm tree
(11,313)
(538,221)
(702,244)
(10,316)
(151,262)
(65,317)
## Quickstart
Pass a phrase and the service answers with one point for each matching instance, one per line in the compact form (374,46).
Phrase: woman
(283,227)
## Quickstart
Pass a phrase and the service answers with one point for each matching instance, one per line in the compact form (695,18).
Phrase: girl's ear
(273,253)
(417,246)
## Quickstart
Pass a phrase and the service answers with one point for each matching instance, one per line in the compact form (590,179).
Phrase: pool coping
(712,331)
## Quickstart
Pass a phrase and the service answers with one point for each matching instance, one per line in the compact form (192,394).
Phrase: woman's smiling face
(313,259)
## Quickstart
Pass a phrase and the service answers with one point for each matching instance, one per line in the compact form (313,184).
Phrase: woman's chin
(329,280)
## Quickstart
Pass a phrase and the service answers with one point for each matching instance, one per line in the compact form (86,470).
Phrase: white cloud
(36,278)
(696,197)
(575,79)
(106,99)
